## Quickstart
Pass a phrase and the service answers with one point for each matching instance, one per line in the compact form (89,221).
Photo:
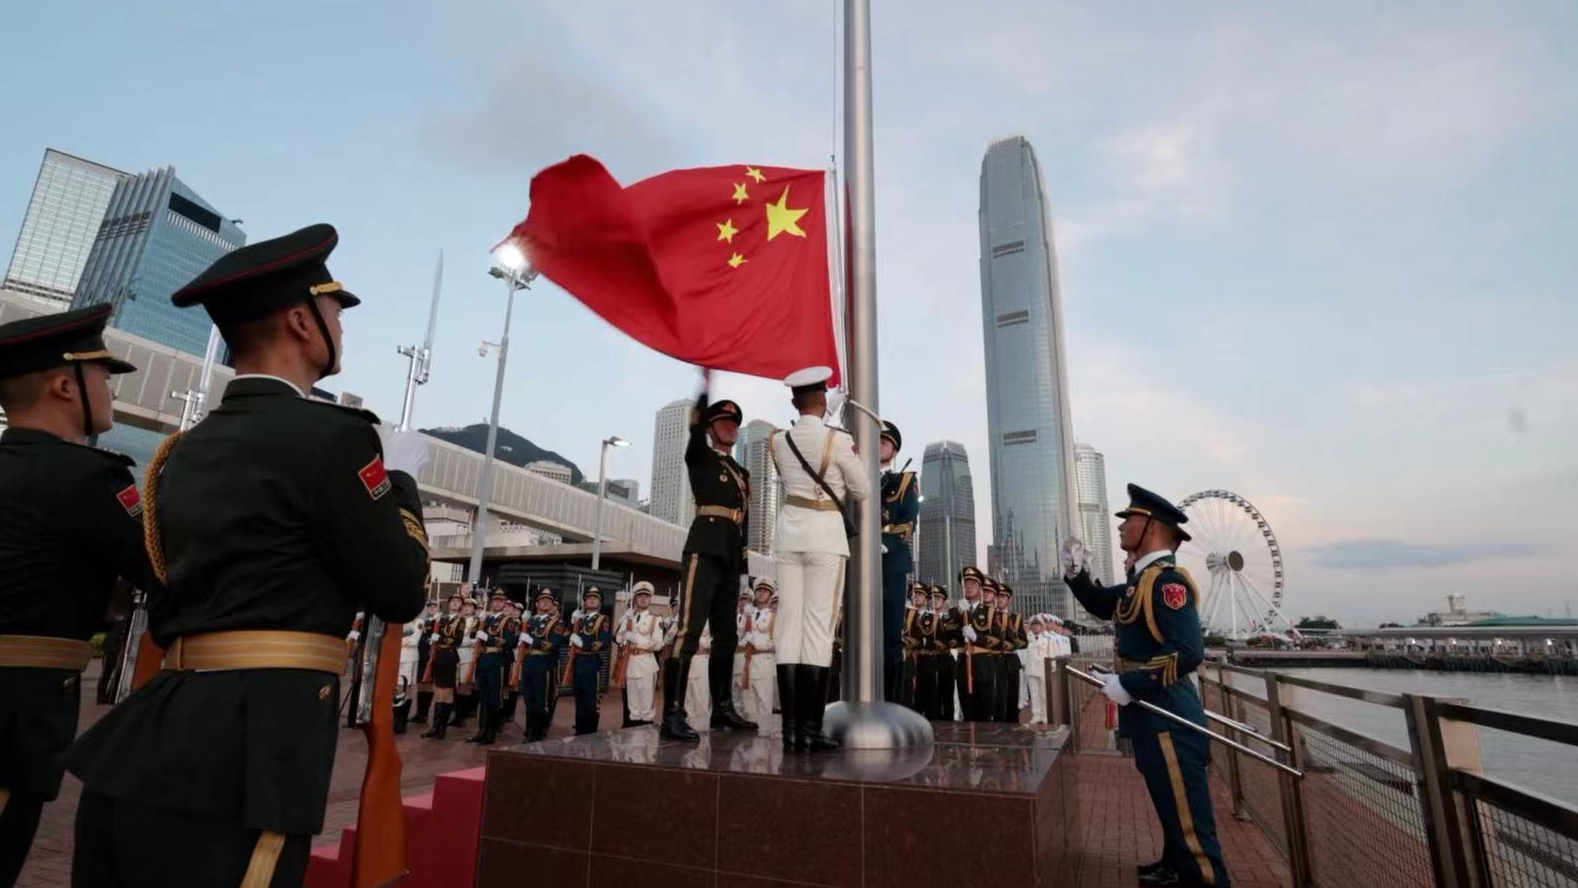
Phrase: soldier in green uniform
(1014,641)
(70,524)
(976,674)
(1156,624)
(900,510)
(542,635)
(937,670)
(715,566)
(272,522)
(590,640)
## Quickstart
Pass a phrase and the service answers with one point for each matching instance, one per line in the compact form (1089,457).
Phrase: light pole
(516,275)
(602,494)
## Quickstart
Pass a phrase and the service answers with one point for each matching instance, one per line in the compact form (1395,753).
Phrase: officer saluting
(1157,632)
(70,523)
(273,520)
(715,566)
(900,509)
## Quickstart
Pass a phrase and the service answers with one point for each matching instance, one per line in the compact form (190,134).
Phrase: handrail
(1537,807)
(1516,722)
(1353,738)
(1175,717)
(1380,698)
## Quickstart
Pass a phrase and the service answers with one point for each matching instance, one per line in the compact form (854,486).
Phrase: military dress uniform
(70,524)
(1014,640)
(590,637)
(913,634)
(446,638)
(976,674)
(424,653)
(900,510)
(271,520)
(496,639)
(715,565)
(935,683)
(543,635)
(641,633)
(1159,642)
(698,693)
(762,677)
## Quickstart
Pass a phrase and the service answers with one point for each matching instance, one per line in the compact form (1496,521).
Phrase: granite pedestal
(985,805)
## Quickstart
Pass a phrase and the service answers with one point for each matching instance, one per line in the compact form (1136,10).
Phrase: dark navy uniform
(900,510)
(1156,624)
(1014,640)
(70,524)
(539,671)
(274,522)
(714,564)
(590,639)
(913,634)
(976,674)
(934,683)
(496,639)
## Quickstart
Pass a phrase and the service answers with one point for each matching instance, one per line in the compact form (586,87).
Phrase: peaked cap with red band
(57,340)
(264,277)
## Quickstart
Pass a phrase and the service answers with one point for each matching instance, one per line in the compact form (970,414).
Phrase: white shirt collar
(293,386)
(809,419)
(1146,561)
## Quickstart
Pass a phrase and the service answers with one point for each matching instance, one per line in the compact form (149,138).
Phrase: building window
(1025,437)
(1008,249)
(1012,318)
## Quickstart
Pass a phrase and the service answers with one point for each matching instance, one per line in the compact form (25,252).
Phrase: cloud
(1375,555)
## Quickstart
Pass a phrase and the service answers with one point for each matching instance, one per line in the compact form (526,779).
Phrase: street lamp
(516,274)
(602,493)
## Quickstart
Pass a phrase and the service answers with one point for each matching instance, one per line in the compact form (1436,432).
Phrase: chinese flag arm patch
(1175,594)
(130,500)
(374,478)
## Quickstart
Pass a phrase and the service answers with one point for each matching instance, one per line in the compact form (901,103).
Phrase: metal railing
(1348,810)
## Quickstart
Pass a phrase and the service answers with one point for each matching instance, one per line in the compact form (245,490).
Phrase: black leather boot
(674,681)
(424,700)
(484,713)
(788,698)
(813,687)
(440,721)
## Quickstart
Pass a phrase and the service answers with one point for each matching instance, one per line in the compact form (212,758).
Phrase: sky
(1320,255)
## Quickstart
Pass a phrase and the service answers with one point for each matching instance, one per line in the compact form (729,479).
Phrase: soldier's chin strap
(82,398)
(323,327)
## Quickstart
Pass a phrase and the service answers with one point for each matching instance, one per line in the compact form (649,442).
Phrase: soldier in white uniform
(820,471)
(736,690)
(698,693)
(1041,648)
(641,632)
(761,668)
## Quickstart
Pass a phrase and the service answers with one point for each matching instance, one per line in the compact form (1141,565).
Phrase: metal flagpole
(421,356)
(863,720)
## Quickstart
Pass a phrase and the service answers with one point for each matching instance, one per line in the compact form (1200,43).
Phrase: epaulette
(358,412)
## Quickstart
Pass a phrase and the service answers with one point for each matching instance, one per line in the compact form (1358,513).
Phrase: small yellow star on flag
(755,174)
(782,219)
(737,260)
(739,193)
(726,230)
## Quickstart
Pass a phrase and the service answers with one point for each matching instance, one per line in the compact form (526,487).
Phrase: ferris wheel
(1236,558)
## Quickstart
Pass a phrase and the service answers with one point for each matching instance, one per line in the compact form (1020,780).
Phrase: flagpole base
(877,725)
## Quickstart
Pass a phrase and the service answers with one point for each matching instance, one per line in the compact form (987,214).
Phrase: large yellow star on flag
(726,230)
(782,219)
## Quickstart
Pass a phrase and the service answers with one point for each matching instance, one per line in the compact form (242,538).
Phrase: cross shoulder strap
(817,476)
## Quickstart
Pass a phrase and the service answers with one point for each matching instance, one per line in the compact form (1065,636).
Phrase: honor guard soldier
(424,655)
(272,521)
(641,637)
(495,646)
(913,633)
(1156,628)
(444,668)
(70,524)
(466,669)
(763,676)
(819,469)
(1014,640)
(976,673)
(935,682)
(698,694)
(589,639)
(542,636)
(737,676)
(715,565)
(900,510)
(512,680)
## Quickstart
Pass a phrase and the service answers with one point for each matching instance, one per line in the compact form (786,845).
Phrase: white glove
(482,636)
(575,641)
(969,633)
(526,639)
(434,637)
(1114,690)
(621,637)
(405,451)
(354,636)
(1074,556)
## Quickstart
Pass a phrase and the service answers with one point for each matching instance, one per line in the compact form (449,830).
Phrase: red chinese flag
(723,267)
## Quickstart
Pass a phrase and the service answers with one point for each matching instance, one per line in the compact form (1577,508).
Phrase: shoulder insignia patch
(130,500)
(374,478)
(1175,595)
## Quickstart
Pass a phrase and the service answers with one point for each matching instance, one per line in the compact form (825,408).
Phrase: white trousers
(759,696)
(739,678)
(698,694)
(639,691)
(1038,698)
(810,585)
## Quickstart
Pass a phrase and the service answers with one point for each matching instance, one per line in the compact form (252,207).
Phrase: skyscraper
(63,216)
(671,497)
(1027,405)
(156,236)
(1095,521)
(751,452)
(947,515)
